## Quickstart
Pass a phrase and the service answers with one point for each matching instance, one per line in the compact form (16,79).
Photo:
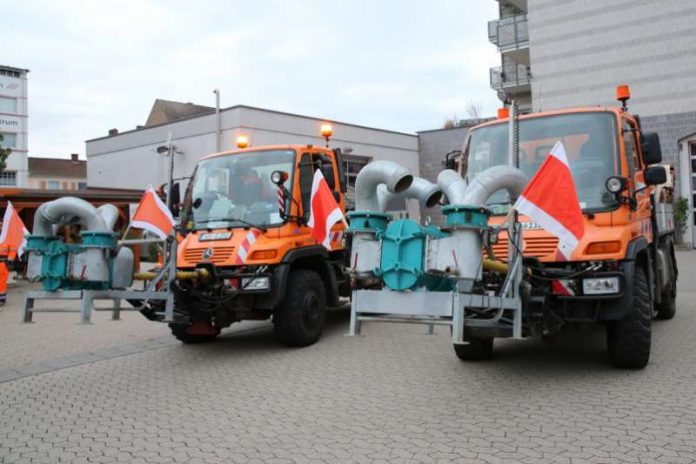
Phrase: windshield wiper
(241,221)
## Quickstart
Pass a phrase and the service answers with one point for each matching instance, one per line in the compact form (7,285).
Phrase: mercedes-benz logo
(207,254)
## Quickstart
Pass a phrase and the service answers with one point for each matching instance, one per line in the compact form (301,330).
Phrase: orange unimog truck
(624,272)
(244,221)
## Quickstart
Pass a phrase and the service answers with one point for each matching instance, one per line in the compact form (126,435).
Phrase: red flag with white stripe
(13,233)
(325,210)
(153,215)
(550,199)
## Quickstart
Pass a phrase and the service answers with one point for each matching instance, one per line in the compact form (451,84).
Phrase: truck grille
(537,247)
(220,254)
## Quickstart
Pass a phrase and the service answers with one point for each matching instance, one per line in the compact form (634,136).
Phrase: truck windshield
(236,190)
(590,142)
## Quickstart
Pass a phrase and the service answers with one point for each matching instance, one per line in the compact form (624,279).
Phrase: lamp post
(217,119)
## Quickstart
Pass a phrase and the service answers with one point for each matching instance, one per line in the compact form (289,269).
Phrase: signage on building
(10,86)
(8,122)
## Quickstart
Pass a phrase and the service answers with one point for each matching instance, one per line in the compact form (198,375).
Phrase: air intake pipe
(396,178)
(459,254)
(490,181)
(68,210)
(452,185)
(427,194)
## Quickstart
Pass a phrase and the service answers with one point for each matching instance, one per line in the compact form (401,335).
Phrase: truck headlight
(256,283)
(601,286)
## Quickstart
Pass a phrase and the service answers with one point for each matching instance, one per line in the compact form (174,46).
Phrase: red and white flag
(153,215)
(325,210)
(551,200)
(13,234)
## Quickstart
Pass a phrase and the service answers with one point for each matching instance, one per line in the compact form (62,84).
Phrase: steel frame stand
(87,297)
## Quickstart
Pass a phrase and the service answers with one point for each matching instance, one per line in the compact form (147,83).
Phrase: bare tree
(4,153)
(473,109)
(451,122)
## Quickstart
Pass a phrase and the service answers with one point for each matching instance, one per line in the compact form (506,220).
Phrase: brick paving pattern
(394,395)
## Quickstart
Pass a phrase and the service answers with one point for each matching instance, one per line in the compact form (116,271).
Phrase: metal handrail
(511,32)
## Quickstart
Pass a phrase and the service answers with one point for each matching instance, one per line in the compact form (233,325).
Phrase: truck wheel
(299,318)
(477,349)
(668,306)
(628,339)
(181,333)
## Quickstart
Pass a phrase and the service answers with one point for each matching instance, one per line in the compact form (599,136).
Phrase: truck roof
(582,109)
(263,148)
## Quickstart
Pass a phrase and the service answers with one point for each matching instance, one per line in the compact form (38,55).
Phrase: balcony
(511,78)
(509,33)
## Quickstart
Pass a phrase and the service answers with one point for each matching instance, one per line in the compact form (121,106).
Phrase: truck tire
(299,319)
(667,308)
(628,339)
(180,332)
(476,350)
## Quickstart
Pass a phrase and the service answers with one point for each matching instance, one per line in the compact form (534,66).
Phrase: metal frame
(166,275)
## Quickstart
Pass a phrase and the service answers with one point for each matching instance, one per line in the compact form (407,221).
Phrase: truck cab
(244,220)
(623,272)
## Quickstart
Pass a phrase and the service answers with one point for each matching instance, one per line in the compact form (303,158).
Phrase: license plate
(212,236)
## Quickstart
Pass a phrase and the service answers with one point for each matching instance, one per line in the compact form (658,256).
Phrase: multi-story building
(575,53)
(511,35)
(14,113)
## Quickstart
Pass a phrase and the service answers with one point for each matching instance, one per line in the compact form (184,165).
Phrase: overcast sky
(404,65)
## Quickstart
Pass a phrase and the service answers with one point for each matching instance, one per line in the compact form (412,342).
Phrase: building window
(81,185)
(353,165)
(7,72)
(8,178)
(8,105)
(53,185)
(9,140)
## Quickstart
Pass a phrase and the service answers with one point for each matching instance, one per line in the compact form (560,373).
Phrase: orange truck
(624,272)
(244,223)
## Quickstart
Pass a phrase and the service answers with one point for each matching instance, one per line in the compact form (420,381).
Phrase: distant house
(57,174)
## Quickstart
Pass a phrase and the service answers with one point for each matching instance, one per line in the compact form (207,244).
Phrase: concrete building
(130,159)
(57,174)
(577,51)
(14,124)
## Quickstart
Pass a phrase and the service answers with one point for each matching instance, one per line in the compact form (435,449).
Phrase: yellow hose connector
(180,275)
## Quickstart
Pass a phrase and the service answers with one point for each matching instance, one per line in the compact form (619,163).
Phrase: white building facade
(14,124)
(130,159)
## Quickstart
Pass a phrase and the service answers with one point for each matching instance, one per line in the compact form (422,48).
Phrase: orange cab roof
(582,109)
(260,148)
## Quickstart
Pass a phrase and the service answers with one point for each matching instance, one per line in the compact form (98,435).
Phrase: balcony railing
(510,75)
(509,33)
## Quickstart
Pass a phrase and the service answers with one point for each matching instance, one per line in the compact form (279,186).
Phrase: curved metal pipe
(65,210)
(109,213)
(396,177)
(427,194)
(490,181)
(452,185)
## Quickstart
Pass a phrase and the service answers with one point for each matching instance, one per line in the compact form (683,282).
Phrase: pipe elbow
(493,179)
(396,178)
(427,194)
(453,186)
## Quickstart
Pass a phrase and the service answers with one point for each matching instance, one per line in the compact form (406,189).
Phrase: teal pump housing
(68,266)
(402,265)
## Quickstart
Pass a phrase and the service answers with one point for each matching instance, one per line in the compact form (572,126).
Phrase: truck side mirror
(655,175)
(650,146)
(328,173)
(175,198)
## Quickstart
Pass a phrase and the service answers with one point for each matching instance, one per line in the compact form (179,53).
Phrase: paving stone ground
(123,392)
